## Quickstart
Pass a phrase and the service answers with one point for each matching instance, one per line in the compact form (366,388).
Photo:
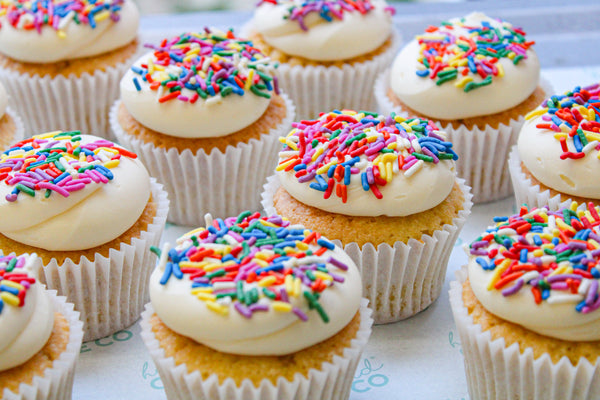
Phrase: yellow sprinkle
(197,290)
(574,206)
(267,223)
(591,136)
(388,158)
(9,299)
(191,264)
(249,82)
(430,37)
(301,245)
(325,167)
(291,144)
(556,232)
(500,70)
(281,306)
(535,113)
(262,255)
(297,287)
(12,284)
(563,269)
(61,34)
(463,81)
(323,275)
(399,119)
(101,16)
(219,308)
(389,174)
(194,231)
(289,284)
(406,127)
(319,151)
(594,243)
(208,267)
(283,166)
(47,135)
(112,164)
(497,272)
(538,253)
(511,55)
(382,170)
(267,281)
(262,263)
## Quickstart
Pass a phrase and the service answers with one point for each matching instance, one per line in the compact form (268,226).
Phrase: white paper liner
(57,381)
(333,381)
(65,103)
(482,153)
(110,293)
(403,279)
(19,132)
(495,371)
(217,183)
(317,89)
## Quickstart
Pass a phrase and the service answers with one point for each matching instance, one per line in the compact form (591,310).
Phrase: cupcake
(203,112)
(252,307)
(385,189)
(90,211)
(526,306)
(330,53)
(41,336)
(11,126)
(476,77)
(556,158)
(61,61)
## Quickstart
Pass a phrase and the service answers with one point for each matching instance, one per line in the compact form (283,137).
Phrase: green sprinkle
(156,251)
(217,273)
(11,265)
(25,189)
(423,157)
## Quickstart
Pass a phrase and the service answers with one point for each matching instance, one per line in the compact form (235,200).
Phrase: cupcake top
(466,67)
(539,269)
(253,285)
(67,191)
(199,84)
(26,314)
(365,164)
(324,30)
(48,31)
(560,139)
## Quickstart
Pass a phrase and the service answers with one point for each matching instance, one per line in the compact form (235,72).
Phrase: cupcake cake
(252,307)
(203,112)
(556,159)
(41,336)
(385,188)
(90,211)
(476,77)
(526,306)
(61,61)
(330,53)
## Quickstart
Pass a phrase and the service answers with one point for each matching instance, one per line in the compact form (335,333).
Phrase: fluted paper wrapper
(497,372)
(19,132)
(317,89)
(218,183)
(57,381)
(332,382)
(482,153)
(403,279)
(110,293)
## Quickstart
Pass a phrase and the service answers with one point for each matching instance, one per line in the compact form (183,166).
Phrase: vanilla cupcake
(61,61)
(556,159)
(252,307)
(527,306)
(385,188)
(90,211)
(41,336)
(203,112)
(330,53)
(476,77)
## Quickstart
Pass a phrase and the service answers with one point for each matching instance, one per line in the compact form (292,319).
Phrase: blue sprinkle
(167,274)
(580,306)
(347,175)
(287,243)
(537,240)
(545,294)
(523,256)
(423,73)
(365,181)
(137,85)
(500,219)
(12,290)
(326,243)
(331,171)
(299,167)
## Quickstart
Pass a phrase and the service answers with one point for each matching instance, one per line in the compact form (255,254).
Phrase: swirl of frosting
(26,314)
(67,191)
(197,85)
(539,269)
(48,31)
(324,30)
(559,142)
(364,164)
(467,67)
(255,286)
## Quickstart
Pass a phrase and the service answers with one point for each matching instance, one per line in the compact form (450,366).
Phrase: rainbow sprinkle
(553,254)
(210,64)
(470,60)
(58,162)
(253,264)
(13,285)
(58,14)
(573,117)
(329,150)
(327,10)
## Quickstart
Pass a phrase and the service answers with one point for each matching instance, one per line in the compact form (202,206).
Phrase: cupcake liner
(403,279)
(19,133)
(495,371)
(110,293)
(531,194)
(217,183)
(57,381)
(316,89)
(333,381)
(482,153)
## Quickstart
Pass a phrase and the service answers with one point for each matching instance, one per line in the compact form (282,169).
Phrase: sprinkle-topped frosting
(540,269)
(345,160)
(255,285)
(213,73)
(26,316)
(560,142)
(68,191)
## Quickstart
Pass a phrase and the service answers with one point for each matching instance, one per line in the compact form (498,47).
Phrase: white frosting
(25,330)
(80,39)
(356,34)
(86,218)
(540,152)
(449,102)
(266,333)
